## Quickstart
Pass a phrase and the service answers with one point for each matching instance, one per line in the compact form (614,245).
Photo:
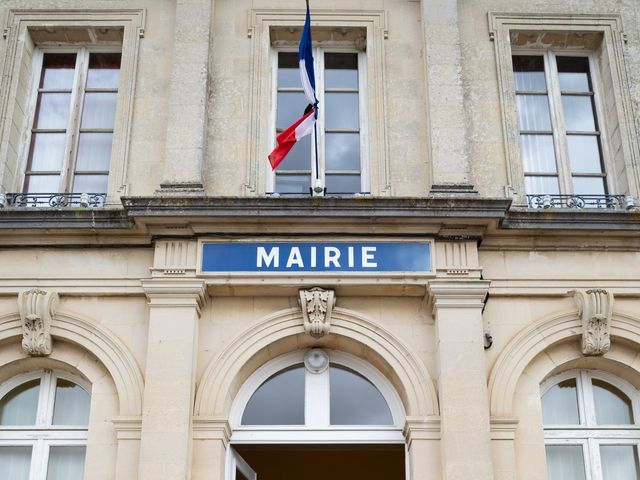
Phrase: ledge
(65,218)
(568,219)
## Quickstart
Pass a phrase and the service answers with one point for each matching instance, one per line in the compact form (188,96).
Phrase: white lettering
(350,256)
(265,260)
(331,255)
(367,255)
(313,257)
(295,257)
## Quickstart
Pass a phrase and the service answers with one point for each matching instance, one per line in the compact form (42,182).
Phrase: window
(339,168)
(73,122)
(591,429)
(560,138)
(43,426)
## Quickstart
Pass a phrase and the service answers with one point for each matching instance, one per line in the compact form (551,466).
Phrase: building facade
(449,288)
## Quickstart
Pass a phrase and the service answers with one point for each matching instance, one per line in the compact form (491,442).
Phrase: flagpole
(317,187)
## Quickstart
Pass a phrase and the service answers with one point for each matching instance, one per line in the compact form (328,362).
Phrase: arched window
(43,426)
(591,427)
(322,395)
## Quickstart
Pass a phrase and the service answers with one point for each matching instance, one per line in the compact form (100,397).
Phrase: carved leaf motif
(316,305)
(596,309)
(37,308)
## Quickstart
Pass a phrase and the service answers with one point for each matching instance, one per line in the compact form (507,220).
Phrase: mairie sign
(316,257)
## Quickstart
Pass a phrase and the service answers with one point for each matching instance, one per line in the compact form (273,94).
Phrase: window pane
(20,405)
(341,110)
(565,462)
(537,153)
(612,406)
(560,404)
(619,462)
(355,400)
(588,186)
(533,112)
(342,151)
(58,71)
(341,70)
(288,70)
(297,184)
(104,70)
(42,183)
(541,185)
(299,158)
(71,405)
(578,114)
(47,151)
(278,401)
(90,183)
(94,152)
(66,463)
(15,462)
(343,183)
(584,154)
(291,106)
(574,74)
(53,110)
(99,110)
(528,72)
(240,476)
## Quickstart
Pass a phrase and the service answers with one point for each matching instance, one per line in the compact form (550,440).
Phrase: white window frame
(82,52)
(317,427)
(318,56)
(557,120)
(589,434)
(43,435)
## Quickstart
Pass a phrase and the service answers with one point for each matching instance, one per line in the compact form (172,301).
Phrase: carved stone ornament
(37,308)
(595,307)
(317,305)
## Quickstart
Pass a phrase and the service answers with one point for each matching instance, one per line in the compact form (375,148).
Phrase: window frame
(43,435)
(588,433)
(72,135)
(319,53)
(557,119)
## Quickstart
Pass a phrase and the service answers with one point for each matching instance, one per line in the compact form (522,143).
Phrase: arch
(536,338)
(97,340)
(283,332)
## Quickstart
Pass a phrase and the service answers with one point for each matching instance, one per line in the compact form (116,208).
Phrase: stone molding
(175,258)
(504,428)
(172,293)
(37,308)
(317,304)
(421,428)
(212,428)
(595,308)
(128,428)
(457,258)
(462,293)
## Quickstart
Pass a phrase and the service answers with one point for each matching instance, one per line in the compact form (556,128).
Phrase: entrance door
(240,470)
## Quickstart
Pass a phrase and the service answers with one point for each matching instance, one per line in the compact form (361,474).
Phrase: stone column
(166,440)
(187,120)
(462,377)
(445,95)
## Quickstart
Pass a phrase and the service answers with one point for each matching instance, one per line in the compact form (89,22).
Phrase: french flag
(304,125)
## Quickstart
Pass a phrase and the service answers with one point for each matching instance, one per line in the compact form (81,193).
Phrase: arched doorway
(317,414)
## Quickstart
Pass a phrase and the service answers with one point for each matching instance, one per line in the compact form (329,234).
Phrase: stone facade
(516,295)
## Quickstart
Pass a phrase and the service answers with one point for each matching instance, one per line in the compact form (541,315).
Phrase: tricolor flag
(303,126)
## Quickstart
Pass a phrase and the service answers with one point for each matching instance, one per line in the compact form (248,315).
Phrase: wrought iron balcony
(579,202)
(53,200)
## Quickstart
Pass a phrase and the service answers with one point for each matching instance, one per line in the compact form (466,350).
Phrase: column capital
(173,292)
(421,428)
(457,293)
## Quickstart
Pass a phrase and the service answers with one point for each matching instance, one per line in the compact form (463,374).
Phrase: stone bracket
(37,308)
(595,307)
(317,305)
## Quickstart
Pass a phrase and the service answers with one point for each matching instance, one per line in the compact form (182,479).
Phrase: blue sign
(316,257)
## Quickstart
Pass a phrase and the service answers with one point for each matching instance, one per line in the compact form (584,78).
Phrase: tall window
(560,137)
(43,427)
(339,125)
(73,122)
(591,429)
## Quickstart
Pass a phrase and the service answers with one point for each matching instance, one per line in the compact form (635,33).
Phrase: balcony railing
(53,200)
(579,202)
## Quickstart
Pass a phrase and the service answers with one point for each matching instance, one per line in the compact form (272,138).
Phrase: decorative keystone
(595,307)
(317,305)
(37,309)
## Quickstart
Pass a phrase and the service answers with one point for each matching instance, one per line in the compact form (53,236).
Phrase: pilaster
(462,386)
(166,438)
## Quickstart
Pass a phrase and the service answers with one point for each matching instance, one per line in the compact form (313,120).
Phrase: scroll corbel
(317,305)
(37,308)
(595,308)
